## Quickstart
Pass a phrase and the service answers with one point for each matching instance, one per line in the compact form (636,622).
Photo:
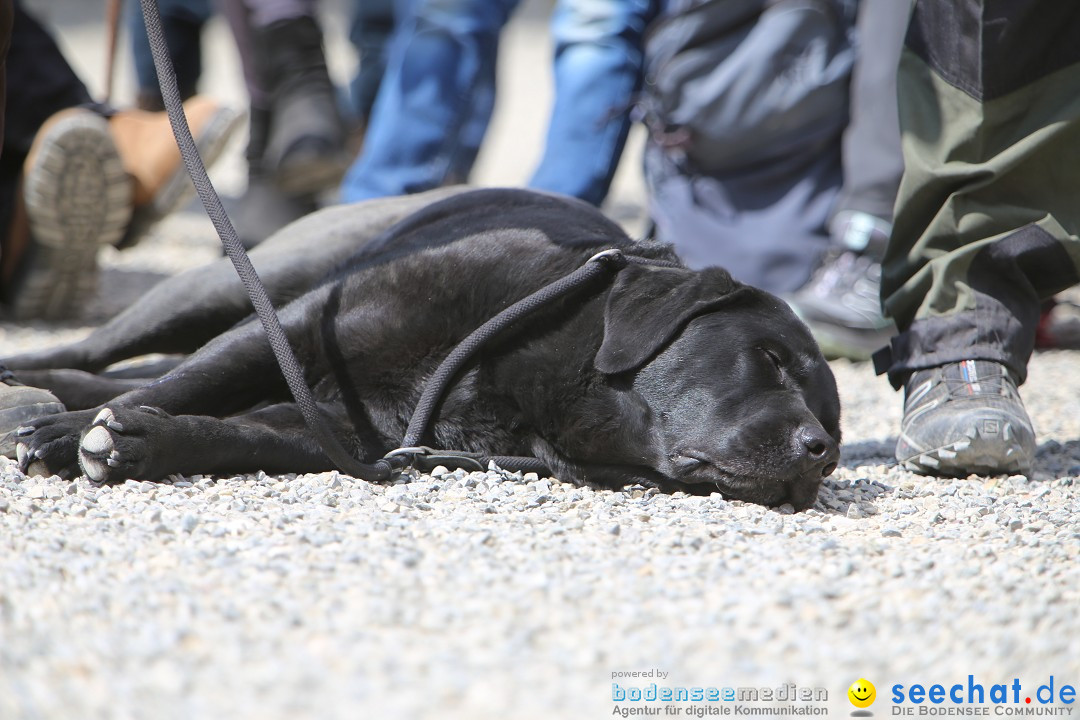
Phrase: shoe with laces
(18,405)
(841,302)
(965,418)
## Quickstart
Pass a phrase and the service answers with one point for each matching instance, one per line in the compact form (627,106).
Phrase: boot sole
(78,198)
(979,453)
(301,176)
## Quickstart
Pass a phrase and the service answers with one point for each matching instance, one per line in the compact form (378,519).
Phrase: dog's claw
(104,417)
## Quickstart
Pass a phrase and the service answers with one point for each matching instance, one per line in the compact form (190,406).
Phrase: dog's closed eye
(774,361)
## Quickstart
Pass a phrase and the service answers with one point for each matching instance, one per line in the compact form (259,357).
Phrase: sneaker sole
(78,198)
(977,454)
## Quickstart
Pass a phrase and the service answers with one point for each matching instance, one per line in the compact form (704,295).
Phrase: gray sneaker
(965,418)
(841,302)
(18,405)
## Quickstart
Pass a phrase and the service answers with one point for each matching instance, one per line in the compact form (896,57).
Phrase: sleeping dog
(663,376)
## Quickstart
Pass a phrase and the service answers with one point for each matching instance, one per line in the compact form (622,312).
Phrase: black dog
(664,376)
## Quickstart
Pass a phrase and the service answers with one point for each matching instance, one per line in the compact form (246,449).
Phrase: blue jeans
(371,25)
(181,23)
(438,93)
(598,69)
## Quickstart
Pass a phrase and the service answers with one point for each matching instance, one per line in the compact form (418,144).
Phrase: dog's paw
(49,445)
(117,445)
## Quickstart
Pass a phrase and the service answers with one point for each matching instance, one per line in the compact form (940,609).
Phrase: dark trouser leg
(871,146)
(986,222)
(182,23)
(39,83)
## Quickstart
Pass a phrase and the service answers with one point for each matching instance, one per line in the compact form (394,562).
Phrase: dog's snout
(819,447)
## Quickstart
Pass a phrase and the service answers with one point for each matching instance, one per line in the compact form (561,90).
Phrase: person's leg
(18,403)
(182,23)
(598,68)
(986,225)
(308,135)
(370,29)
(842,300)
(41,84)
(267,12)
(305,139)
(435,100)
(74,171)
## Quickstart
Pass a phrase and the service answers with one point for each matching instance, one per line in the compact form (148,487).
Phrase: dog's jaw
(694,469)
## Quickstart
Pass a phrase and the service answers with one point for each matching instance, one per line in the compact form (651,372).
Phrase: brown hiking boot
(148,149)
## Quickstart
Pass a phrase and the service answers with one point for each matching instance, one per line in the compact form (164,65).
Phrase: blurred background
(511,148)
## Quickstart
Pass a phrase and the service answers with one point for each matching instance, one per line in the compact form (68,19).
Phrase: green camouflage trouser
(988,214)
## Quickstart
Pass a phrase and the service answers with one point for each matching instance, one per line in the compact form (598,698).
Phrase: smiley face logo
(862,693)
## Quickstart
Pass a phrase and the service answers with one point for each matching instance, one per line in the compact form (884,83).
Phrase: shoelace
(995,381)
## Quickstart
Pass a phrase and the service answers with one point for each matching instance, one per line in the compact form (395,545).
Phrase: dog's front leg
(145,443)
(232,373)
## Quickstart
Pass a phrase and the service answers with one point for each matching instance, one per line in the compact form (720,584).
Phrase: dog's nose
(819,447)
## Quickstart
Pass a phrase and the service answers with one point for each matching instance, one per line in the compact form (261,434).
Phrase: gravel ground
(490,595)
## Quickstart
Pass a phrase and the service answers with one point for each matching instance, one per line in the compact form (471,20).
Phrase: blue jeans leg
(598,66)
(371,25)
(181,22)
(435,100)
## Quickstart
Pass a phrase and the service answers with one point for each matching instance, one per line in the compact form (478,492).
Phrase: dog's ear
(648,306)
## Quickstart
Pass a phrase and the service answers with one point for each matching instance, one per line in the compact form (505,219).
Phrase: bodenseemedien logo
(700,701)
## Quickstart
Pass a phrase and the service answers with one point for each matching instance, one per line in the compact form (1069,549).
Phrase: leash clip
(614,256)
(426,459)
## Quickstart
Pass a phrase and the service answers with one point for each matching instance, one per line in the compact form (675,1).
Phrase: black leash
(290,368)
(411,453)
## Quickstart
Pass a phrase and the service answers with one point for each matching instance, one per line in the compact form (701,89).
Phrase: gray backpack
(746,101)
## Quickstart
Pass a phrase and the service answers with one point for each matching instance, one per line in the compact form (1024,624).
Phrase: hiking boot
(965,418)
(841,303)
(305,148)
(77,198)
(148,150)
(19,404)
(264,208)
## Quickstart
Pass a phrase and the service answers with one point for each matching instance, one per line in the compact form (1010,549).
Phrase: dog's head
(726,385)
